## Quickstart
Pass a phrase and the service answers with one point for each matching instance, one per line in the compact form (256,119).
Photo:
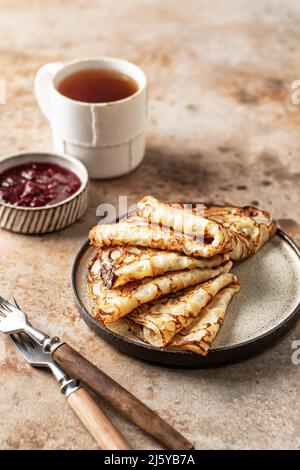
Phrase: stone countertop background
(222,127)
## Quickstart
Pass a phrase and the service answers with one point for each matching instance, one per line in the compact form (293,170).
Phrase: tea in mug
(97,86)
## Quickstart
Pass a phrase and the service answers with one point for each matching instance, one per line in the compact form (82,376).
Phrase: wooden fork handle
(118,397)
(96,422)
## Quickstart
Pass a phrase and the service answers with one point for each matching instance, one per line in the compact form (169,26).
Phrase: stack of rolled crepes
(166,269)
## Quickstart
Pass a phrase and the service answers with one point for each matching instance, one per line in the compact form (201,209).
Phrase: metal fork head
(33,353)
(12,319)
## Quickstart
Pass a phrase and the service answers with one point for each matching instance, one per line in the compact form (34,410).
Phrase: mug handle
(42,85)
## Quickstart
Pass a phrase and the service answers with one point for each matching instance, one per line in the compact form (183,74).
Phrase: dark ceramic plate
(266,307)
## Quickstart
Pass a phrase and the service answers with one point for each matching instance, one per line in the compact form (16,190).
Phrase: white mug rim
(141,87)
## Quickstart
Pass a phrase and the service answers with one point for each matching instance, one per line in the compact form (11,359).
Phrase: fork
(14,320)
(93,418)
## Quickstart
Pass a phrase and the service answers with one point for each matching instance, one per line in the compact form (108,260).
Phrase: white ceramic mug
(109,138)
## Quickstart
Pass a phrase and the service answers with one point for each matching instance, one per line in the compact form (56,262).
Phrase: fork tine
(29,342)
(3,311)
(13,337)
(5,304)
(23,341)
(16,304)
(26,341)
(20,338)
(19,342)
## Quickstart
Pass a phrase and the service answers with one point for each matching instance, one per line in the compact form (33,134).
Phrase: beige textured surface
(220,75)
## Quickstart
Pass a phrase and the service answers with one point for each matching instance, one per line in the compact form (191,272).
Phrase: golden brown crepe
(162,320)
(247,228)
(111,304)
(199,336)
(119,265)
(181,219)
(136,231)
(165,269)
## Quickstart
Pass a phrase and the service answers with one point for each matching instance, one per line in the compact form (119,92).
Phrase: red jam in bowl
(37,184)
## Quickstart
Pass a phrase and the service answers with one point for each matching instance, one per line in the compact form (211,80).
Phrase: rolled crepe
(136,231)
(111,304)
(249,228)
(199,336)
(117,266)
(181,219)
(163,319)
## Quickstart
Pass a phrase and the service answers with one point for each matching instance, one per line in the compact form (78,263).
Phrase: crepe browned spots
(199,336)
(111,304)
(247,227)
(119,265)
(159,322)
(136,231)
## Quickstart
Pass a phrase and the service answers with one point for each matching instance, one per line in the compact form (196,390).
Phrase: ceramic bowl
(44,219)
